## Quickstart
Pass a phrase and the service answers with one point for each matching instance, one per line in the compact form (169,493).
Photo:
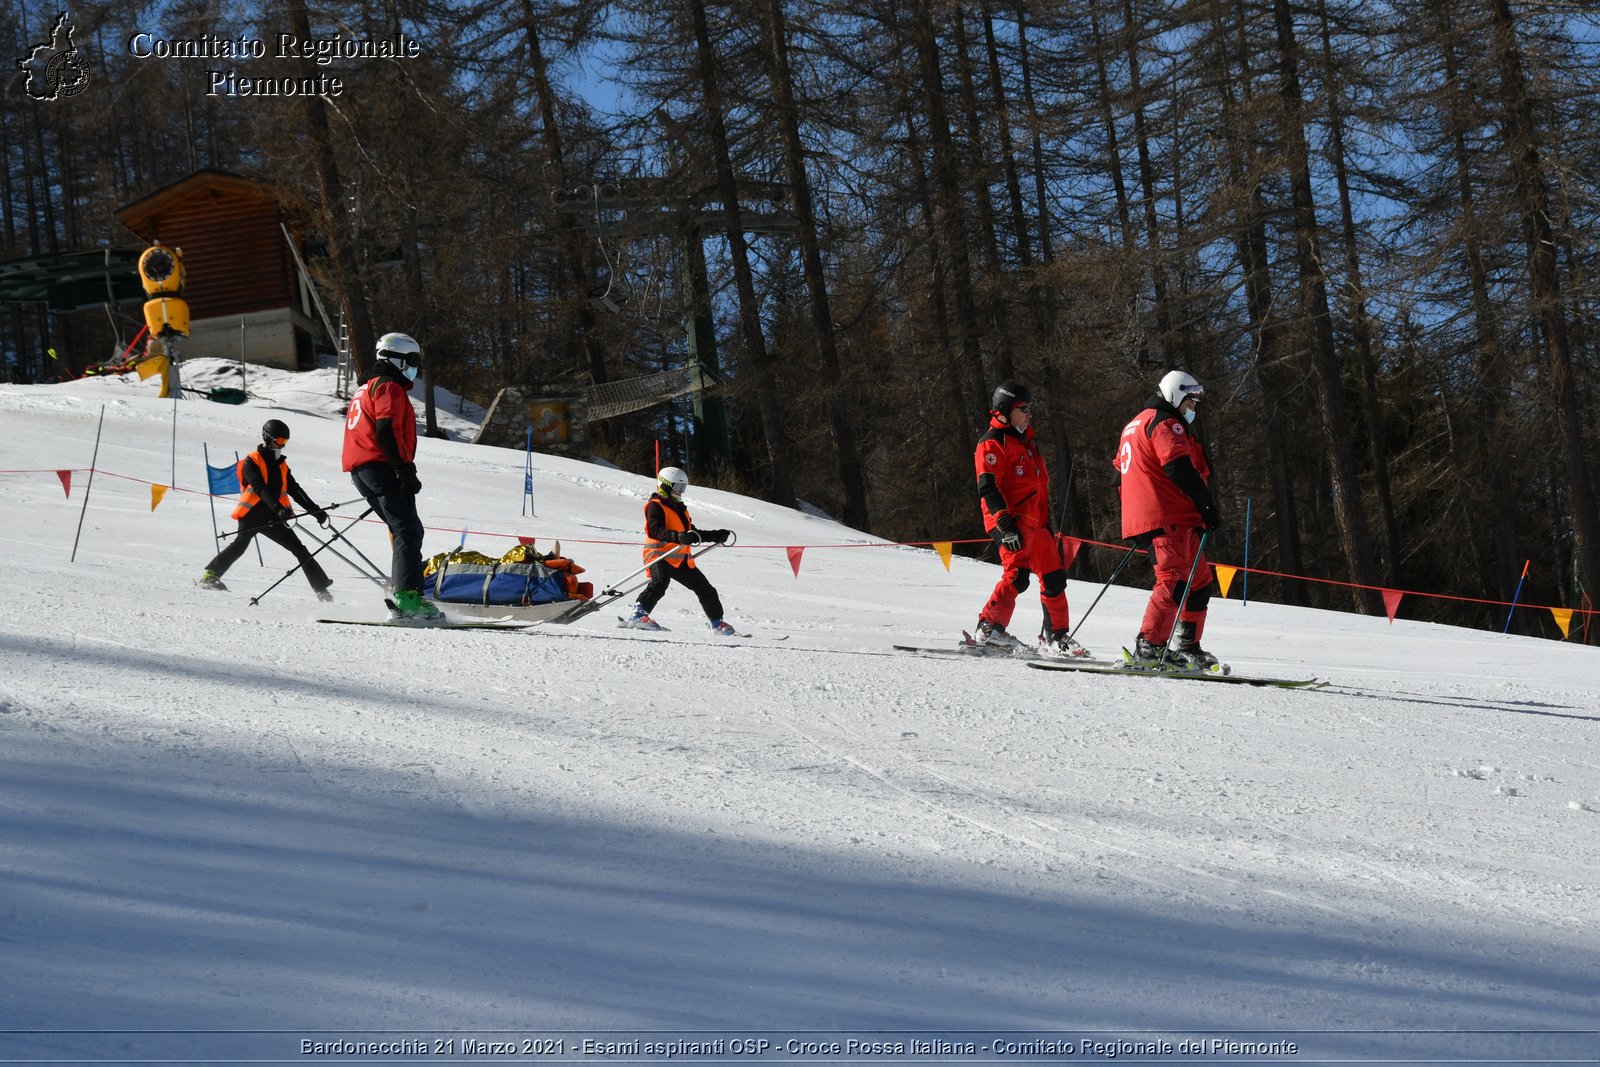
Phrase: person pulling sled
(672,537)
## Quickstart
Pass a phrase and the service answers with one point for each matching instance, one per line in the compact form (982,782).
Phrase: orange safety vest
(655,550)
(248,497)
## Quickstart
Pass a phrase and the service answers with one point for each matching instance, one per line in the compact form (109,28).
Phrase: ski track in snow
(224,815)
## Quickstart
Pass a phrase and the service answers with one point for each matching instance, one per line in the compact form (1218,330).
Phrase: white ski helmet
(402,352)
(1179,386)
(673,481)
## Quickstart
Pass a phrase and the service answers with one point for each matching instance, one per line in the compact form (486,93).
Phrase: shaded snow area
(237,822)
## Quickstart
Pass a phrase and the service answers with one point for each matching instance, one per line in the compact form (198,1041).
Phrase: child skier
(671,537)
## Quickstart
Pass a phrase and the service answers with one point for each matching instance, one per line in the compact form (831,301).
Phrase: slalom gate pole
(1187,584)
(211,498)
(258,597)
(1118,570)
(1517,595)
(92,461)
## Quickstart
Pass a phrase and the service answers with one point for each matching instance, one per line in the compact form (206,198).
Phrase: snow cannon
(166,313)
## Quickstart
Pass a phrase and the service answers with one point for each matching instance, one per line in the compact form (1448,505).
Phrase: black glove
(283,514)
(690,537)
(1211,519)
(719,536)
(320,514)
(1010,536)
(407,474)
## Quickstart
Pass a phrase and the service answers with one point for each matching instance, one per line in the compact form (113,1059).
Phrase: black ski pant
(692,578)
(259,520)
(381,487)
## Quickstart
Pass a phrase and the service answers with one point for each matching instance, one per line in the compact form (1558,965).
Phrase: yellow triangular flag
(1224,577)
(153,365)
(1563,619)
(944,548)
(156,493)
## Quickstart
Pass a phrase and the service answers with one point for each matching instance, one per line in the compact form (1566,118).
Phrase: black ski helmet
(273,429)
(1009,394)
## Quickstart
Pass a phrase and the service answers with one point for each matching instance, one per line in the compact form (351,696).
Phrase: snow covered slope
(222,817)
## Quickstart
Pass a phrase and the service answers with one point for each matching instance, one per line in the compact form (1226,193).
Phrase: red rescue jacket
(1151,500)
(1021,479)
(380,398)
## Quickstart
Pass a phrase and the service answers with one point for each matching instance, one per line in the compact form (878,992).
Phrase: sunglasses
(279,441)
(1026,409)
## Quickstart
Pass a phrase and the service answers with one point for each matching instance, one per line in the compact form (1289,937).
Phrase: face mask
(410,373)
(1188,416)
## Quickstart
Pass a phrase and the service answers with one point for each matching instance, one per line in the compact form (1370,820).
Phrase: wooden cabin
(246,297)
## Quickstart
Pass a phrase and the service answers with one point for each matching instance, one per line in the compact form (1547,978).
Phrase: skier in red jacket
(1167,504)
(380,452)
(1014,488)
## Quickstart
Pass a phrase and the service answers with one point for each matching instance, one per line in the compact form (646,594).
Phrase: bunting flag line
(1225,578)
(944,548)
(1563,617)
(66,482)
(794,559)
(1391,602)
(156,493)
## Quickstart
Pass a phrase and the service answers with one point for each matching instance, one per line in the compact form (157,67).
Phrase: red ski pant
(1175,551)
(1040,553)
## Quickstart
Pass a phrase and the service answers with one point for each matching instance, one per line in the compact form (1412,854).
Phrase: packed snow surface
(223,817)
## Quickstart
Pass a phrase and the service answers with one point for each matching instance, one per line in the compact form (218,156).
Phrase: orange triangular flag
(66,481)
(795,553)
(1224,577)
(1391,602)
(1563,619)
(1069,550)
(944,548)
(156,493)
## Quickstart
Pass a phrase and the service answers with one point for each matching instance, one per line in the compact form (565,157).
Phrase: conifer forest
(1371,229)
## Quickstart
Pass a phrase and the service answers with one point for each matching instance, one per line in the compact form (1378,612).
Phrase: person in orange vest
(672,537)
(266,489)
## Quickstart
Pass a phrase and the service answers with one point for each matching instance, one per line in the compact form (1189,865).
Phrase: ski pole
(352,545)
(1188,582)
(371,577)
(303,514)
(257,598)
(1118,570)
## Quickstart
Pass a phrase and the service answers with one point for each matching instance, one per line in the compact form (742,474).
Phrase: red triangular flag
(1069,550)
(1391,602)
(66,481)
(794,558)
(525,540)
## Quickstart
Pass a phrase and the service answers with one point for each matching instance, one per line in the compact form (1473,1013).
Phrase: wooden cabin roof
(228,229)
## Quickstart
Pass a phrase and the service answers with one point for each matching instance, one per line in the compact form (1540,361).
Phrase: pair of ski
(410,622)
(1126,667)
(623,623)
